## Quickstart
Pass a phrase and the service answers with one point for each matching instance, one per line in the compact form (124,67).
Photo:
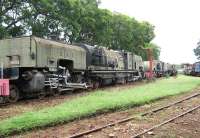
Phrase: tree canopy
(155,50)
(197,50)
(79,21)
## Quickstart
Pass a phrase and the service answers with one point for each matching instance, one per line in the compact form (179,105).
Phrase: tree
(156,51)
(79,21)
(9,17)
(18,16)
(197,50)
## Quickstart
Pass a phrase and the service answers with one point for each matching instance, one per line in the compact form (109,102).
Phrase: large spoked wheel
(96,85)
(57,92)
(14,94)
(2,99)
(41,95)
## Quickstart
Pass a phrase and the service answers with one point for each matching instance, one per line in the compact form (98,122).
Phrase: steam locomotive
(38,67)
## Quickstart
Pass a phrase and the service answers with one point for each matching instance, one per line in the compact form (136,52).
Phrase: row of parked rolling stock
(192,69)
(39,67)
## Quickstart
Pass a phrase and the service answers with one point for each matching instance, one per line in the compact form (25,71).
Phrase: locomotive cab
(68,64)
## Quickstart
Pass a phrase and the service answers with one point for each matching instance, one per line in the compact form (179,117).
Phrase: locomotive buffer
(4,85)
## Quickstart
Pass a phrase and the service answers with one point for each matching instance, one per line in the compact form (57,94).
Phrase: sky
(177,24)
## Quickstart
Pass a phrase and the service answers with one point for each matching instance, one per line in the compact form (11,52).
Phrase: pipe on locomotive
(1,70)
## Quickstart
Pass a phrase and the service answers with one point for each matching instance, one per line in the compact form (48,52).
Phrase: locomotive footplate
(60,81)
(61,84)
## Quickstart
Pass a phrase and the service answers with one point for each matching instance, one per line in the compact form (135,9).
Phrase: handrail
(2,70)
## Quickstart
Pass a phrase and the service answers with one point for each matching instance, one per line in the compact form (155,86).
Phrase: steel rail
(167,121)
(5,104)
(131,118)
(62,96)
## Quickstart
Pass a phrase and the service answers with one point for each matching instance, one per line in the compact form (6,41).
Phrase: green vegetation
(80,21)
(98,102)
(197,50)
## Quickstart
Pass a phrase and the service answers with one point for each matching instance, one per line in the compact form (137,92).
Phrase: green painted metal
(37,52)
(137,62)
(116,57)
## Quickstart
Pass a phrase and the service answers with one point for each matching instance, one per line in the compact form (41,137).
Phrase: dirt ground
(188,126)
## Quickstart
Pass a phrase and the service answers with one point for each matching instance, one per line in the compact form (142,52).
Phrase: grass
(98,102)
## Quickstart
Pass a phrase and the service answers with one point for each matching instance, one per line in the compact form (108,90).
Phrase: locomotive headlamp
(33,56)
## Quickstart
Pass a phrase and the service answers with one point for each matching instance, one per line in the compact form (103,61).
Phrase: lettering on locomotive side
(4,87)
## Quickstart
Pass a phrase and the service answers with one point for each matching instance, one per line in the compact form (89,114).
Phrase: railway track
(167,121)
(144,114)
(29,100)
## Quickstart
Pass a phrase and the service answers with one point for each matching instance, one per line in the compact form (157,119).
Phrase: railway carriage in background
(37,67)
(195,71)
(191,69)
(160,68)
(156,67)
(187,69)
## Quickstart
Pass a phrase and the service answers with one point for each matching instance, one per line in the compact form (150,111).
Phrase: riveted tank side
(128,60)
(51,54)
(137,62)
(16,52)
(115,59)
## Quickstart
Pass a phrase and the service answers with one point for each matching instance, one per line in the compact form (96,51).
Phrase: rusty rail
(165,122)
(131,118)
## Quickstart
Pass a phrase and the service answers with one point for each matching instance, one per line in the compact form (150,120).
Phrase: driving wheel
(14,94)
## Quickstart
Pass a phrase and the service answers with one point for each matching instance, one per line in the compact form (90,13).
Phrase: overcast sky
(177,24)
